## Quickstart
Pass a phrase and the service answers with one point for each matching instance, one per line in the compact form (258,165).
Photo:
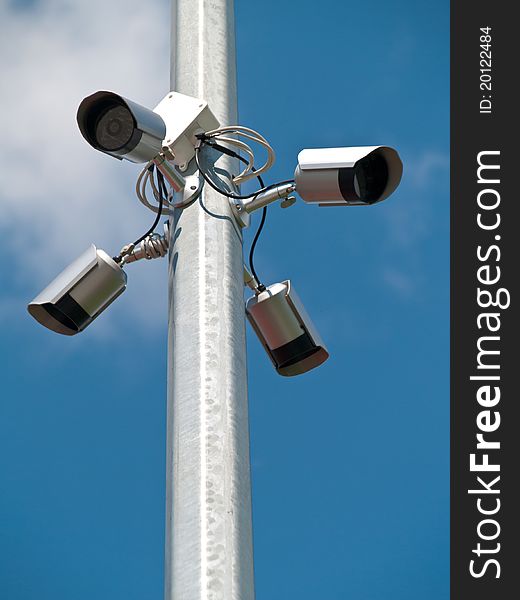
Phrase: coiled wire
(155,246)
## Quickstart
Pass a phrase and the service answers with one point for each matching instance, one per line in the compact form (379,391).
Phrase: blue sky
(349,462)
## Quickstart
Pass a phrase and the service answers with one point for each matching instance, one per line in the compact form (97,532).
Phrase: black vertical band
(485,403)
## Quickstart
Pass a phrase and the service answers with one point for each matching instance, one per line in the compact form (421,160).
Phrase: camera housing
(355,176)
(285,330)
(80,293)
(126,130)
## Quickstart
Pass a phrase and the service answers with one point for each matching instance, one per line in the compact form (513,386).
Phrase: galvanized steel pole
(209,552)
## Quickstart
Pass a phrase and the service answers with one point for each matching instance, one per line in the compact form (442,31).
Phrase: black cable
(229,152)
(261,286)
(163,194)
(218,189)
(163,186)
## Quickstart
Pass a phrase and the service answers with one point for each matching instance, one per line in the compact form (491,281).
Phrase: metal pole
(209,551)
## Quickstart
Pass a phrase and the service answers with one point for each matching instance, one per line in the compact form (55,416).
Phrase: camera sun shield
(124,129)
(79,293)
(121,128)
(285,330)
(360,175)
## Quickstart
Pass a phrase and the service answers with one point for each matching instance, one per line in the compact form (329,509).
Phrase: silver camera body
(360,175)
(285,330)
(79,293)
(126,130)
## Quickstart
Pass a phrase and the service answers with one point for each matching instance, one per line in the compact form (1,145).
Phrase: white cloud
(421,203)
(57,195)
(399,282)
(423,169)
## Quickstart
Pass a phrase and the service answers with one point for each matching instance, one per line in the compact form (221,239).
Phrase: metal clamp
(242,208)
(193,185)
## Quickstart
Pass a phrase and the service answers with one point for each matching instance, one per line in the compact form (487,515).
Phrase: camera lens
(114,128)
(371,177)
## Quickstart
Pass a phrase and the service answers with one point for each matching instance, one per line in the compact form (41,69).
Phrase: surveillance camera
(124,129)
(359,175)
(79,293)
(285,330)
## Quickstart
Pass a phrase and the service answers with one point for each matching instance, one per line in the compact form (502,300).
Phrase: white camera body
(126,130)
(79,293)
(285,330)
(360,175)
(185,117)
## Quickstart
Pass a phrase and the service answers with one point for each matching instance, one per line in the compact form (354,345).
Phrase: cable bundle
(249,171)
(146,177)
(214,139)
